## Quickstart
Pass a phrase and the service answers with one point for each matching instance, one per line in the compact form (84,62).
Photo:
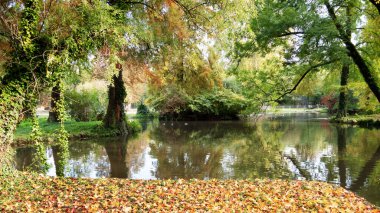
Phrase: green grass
(24,129)
(361,120)
(296,110)
(75,129)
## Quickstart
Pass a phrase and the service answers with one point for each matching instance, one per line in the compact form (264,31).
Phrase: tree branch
(142,3)
(371,79)
(303,76)
(291,33)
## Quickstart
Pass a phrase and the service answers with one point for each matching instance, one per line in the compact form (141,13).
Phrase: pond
(292,146)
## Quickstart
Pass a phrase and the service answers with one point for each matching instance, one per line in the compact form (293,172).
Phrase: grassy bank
(34,193)
(295,110)
(361,120)
(75,129)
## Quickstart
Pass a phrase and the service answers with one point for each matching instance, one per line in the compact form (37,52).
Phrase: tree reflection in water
(186,151)
(24,158)
(117,154)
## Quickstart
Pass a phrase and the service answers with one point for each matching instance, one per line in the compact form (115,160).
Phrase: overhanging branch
(311,68)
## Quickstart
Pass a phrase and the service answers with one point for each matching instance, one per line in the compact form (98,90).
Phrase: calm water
(296,146)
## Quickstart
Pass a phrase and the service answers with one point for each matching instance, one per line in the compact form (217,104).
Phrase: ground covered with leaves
(33,193)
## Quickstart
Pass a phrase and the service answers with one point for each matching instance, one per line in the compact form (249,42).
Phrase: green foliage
(361,120)
(49,131)
(142,109)
(134,126)
(39,158)
(63,136)
(366,102)
(47,45)
(212,104)
(262,80)
(86,105)
(6,161)
(222,103)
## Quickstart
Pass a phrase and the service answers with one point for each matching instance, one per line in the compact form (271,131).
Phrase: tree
(115,116)
(157,27)
(342,108)
(309,40)
(51,38)
(370,78)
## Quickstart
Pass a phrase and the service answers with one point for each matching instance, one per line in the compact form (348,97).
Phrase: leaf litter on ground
(36,193)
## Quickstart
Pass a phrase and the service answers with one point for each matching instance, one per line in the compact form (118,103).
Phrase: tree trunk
(11,105)
(115,116)
(369,78)
(342,107)
(55,97)
(377,5)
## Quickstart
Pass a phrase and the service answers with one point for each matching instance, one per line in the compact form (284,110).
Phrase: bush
(218,104)
(142,109)
(86,105)
(134,126)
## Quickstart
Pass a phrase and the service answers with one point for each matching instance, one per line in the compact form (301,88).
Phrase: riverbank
(284,110)
(30,192)
(76,130)
(360,120)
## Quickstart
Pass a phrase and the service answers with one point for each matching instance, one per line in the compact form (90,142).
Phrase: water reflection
(24,158)
(342,141)
(117,155)
(290,147)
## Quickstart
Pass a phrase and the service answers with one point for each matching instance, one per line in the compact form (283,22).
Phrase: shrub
(86,105)
(216,104)
(210,105)
(134,126)
(142,109)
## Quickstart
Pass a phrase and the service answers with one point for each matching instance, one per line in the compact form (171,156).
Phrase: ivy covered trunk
(342,107)
(115,116)
(18,88)
(10,109)
(55,97)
